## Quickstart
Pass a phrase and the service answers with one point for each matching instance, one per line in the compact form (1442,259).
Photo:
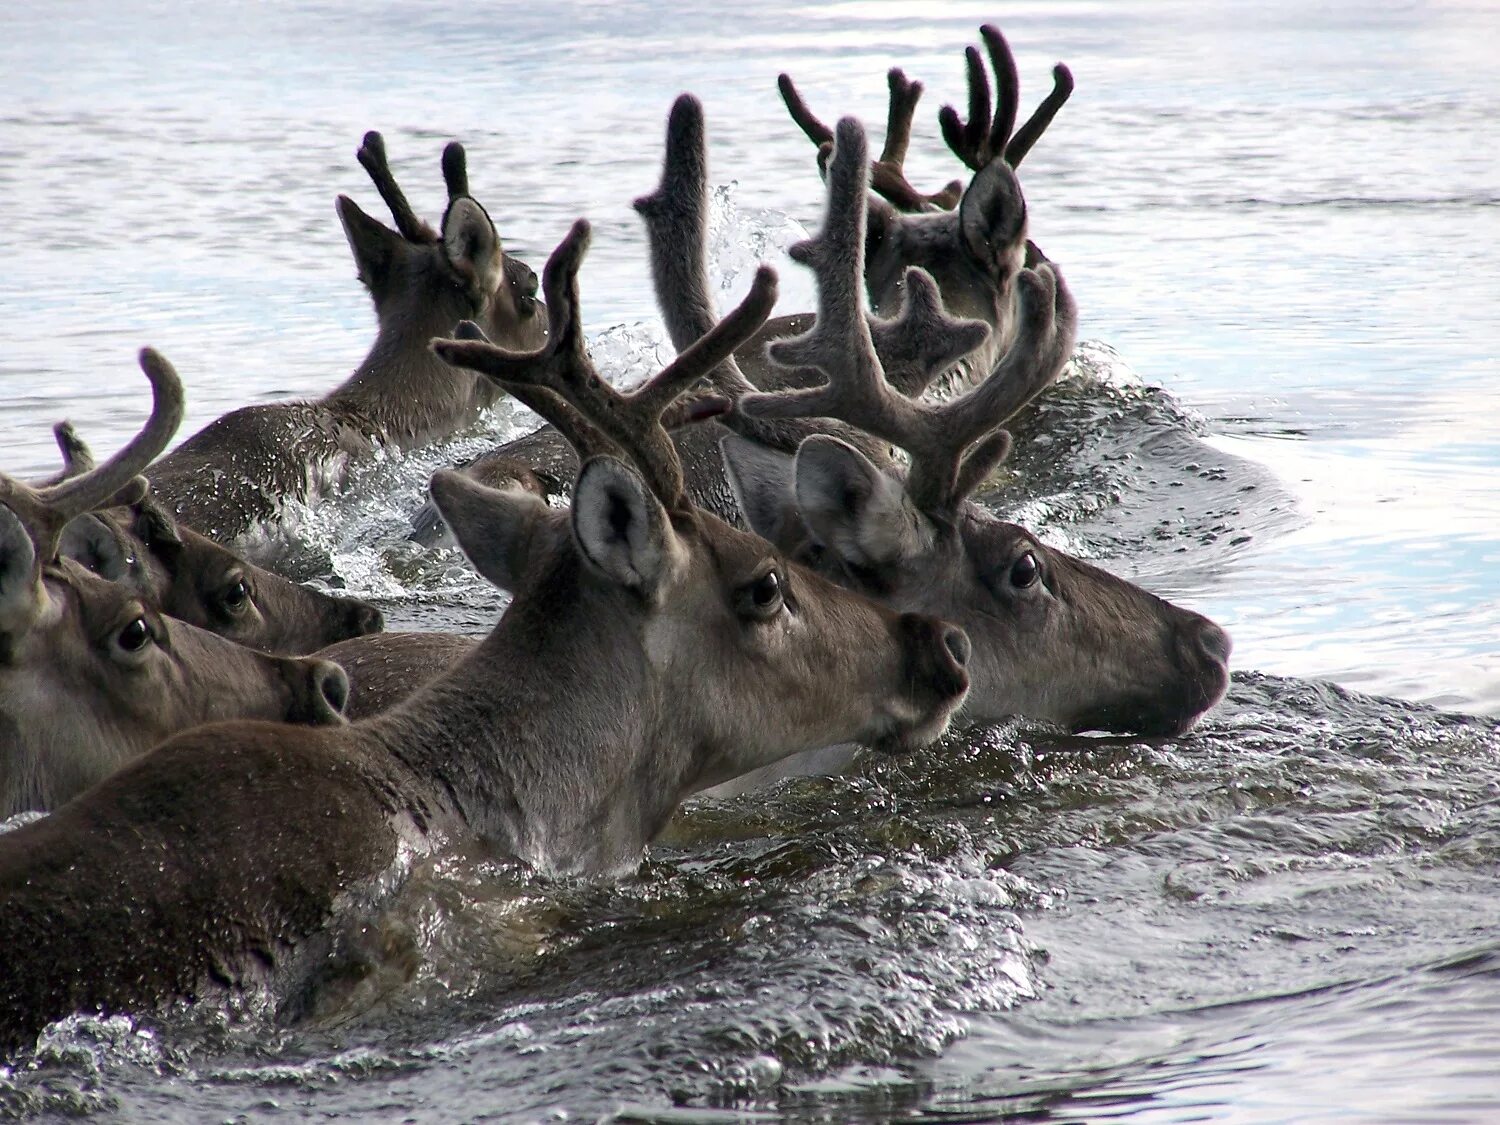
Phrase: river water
(1281,223)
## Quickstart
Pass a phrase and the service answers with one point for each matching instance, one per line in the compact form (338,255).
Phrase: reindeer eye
(135,636)
(767,590)
(763,597)
(1024,571)
(237,597)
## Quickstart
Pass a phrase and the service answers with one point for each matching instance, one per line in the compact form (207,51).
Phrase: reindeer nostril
(956,641)
(1215,642)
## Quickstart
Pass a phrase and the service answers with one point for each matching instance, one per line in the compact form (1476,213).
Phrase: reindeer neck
(406,392)
(557,752)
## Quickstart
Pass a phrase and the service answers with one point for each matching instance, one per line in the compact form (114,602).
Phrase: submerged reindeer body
(649,649)
(91,675)
(240,470)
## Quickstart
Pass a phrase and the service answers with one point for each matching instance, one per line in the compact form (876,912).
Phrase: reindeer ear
(373,244)
(854,509)
(763,481)
(471,243)
(96,544)
(21,595)
(992,219)
(622,528)
(495,527)
(151,524)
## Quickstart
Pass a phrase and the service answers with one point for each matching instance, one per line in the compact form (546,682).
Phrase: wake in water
(863,941)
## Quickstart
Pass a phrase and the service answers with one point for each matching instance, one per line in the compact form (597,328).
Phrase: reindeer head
(425,281)
(1055,638)
(748,656)
(90,675)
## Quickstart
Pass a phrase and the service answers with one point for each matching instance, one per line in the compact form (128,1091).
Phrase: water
(1280,222)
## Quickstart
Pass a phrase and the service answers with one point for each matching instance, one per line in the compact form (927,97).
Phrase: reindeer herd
(766,552)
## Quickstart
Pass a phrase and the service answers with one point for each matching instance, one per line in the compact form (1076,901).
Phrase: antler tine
(888,174)
(582,435)
(1007,88)
(1036,124)
(905,93)
(711,349)
(816,131)
(635,419)
(946,462)
(455,170)
(45,511)
(839,343)
(372,156)
(676,217)
(922,341)
(76,455)
(944,467)
(981,139)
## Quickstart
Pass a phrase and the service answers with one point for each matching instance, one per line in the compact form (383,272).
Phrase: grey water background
(1281,223)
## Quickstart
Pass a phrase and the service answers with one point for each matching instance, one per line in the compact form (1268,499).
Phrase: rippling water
(1281,223)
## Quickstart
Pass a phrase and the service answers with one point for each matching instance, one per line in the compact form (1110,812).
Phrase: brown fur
(239,470)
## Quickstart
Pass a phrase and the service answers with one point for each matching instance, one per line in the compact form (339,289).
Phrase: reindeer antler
(976,142)
(455,170)
(952,446)
(560,382)
(46,509)
(888,174)
(372,156)
(676,216)
(76,455)
(982,138)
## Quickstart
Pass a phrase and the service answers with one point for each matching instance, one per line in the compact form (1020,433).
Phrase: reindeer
(970,239)
(1055,638)
(90,674)
(238,472)
(193,579)
(649,649)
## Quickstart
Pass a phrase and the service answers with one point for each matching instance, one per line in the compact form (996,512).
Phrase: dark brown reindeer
(971,239)
(1055,638)
(193,579)
(238,471)
(650,648)
(90,674)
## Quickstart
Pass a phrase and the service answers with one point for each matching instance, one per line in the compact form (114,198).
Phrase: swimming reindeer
(1055,638)
(649,649)
(193,579)
(91,675)
(971,239)
(239,471)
